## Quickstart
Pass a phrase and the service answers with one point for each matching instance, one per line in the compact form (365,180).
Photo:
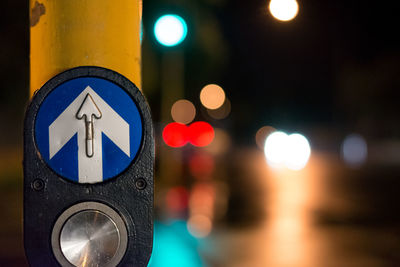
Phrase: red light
(201,133)
(201,165)
(177,199)
(175,134)
(198,134)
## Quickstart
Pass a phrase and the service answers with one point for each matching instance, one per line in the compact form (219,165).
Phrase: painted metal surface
(70,33)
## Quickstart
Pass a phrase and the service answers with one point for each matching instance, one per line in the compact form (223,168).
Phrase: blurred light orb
(220,144)
(262,135)
(183,111)
(200,133)
(222,112)
(202,199)
(299,152)
(175,134)
(177,200)
(212,96)
(290,151)
(201,165)
(284,10)
(275,148)
(354,150)
(199,226)
(170,30)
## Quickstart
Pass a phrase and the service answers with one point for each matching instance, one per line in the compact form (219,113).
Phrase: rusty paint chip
(37,11)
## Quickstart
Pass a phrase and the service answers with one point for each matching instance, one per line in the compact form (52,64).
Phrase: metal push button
(89,234)
(89,238)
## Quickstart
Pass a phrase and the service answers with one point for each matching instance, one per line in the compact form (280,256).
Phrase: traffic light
(170,30)
(199,134)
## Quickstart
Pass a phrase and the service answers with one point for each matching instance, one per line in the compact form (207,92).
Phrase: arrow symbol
(89,111)
(100,119)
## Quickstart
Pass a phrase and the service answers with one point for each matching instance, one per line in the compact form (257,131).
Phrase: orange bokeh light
(212,96)
(183,111)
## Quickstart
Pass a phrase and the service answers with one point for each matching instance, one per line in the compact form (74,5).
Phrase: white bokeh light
(275,148)
(299,152)
(170,30)
(290,151)
(354,150)
(284,10)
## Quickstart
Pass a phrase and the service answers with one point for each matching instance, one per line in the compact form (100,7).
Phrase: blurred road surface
(323,216)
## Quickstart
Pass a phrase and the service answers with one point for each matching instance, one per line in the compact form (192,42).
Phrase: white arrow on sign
(99,118)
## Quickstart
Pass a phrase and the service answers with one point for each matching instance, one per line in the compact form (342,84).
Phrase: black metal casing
(47,195)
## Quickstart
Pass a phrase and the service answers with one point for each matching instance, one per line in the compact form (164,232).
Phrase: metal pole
(70,33)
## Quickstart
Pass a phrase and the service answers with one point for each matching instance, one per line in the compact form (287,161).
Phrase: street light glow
(275,148)
(284,10)
(170,30)
(290,151)
(299,152)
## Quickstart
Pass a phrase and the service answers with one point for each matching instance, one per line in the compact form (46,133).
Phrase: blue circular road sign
(88,129)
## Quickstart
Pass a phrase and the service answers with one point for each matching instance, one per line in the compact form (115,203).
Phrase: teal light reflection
(174,246)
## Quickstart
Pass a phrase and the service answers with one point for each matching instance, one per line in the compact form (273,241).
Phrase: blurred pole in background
(170,31)
(70,33)
(172,89)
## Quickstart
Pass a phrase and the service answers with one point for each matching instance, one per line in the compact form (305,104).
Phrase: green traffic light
(170,30)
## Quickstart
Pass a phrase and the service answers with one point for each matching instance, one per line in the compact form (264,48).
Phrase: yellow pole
(71,33)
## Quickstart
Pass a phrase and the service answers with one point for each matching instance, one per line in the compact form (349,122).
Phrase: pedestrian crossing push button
(89,234)
(88,172)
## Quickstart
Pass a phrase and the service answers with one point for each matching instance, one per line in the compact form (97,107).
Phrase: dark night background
(332,71)
(334,66)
